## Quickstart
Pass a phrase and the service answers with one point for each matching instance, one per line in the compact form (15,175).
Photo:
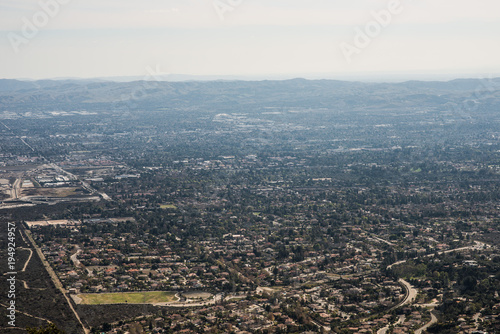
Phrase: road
(55,279)
(476,319)
(396,263)
(78,263)
(25,143)
(478,246)
(427,325)
(74,258)
(15,191)
(382,240)
(410,296)
(326,328)
(411,293)
(6,127)
(20,138)
(384,330)
(84,184)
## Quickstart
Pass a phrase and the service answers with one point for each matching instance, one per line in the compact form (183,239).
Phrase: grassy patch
(168,206)
(236,298)
(128,298)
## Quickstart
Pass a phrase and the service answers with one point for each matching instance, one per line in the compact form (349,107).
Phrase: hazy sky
(96,38)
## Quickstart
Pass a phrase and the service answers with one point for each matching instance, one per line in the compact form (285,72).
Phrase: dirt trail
(56,281)
(28,315)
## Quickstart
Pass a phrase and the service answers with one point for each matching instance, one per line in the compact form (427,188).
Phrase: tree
(49,329)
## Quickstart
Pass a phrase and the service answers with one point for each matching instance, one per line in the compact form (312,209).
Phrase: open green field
(127,297)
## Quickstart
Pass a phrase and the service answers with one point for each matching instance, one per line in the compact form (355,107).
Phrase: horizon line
(394,77)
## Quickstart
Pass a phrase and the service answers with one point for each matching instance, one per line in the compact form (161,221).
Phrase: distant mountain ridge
(68,94)
(20,84)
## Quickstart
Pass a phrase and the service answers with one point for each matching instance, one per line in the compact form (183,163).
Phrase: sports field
(127,297)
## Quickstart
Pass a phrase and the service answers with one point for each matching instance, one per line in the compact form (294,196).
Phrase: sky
(254,38)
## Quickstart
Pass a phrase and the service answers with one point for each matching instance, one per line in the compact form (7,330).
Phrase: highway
(84,184)
(16,189)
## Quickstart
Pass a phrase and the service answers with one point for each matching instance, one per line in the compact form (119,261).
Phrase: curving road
(411,293)
(74,258)
(477,246)
(386,328)
(427,325)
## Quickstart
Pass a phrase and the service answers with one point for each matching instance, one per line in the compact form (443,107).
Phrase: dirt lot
(20,168)
(197,295)
(51,192)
